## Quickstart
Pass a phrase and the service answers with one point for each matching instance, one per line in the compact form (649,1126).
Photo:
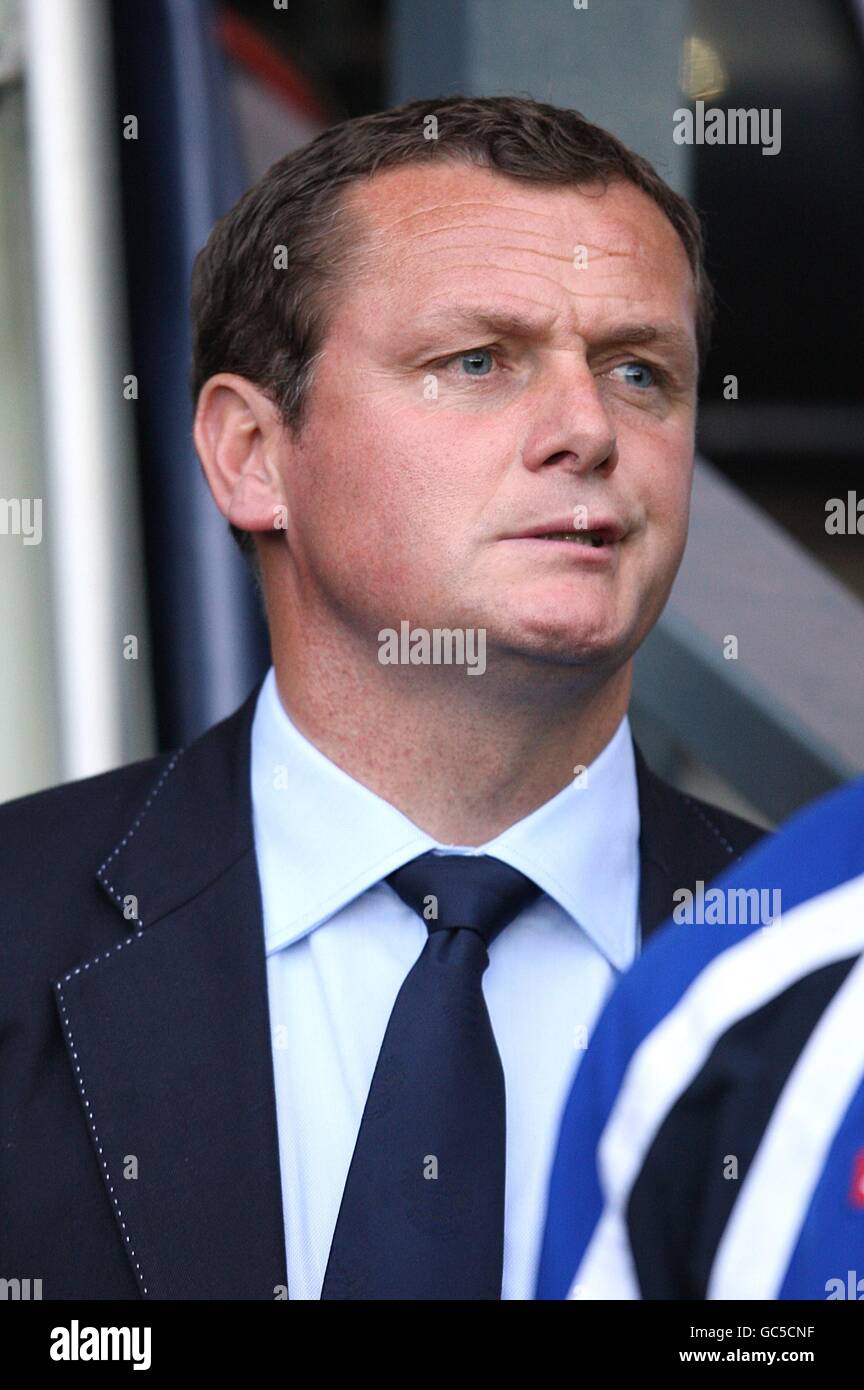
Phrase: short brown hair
(271,331)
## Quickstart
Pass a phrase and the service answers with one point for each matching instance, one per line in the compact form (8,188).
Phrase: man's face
(508,359)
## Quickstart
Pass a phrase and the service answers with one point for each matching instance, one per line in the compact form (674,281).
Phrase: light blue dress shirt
(340,942)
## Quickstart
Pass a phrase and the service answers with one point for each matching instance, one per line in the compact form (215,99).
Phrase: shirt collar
(322,838)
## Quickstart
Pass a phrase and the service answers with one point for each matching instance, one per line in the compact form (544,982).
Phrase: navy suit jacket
(138,1138)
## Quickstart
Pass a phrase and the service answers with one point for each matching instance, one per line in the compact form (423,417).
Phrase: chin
(584,626)
(564,644)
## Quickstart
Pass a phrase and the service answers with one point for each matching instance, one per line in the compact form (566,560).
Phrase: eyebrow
(500,321)
(508,323)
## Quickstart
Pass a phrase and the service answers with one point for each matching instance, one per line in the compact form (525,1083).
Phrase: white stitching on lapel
(100,872)
(68,1029)
(711,826)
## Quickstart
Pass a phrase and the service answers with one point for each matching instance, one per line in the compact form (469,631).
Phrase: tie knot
(459,890)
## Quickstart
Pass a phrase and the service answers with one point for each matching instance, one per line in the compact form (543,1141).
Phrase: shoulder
(734,832)
(104,795)
(53,911)
(668,814)
(46,835)
(85,819)
(54,844)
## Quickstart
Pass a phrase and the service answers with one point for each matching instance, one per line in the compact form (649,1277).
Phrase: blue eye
(638,374)
(477,362)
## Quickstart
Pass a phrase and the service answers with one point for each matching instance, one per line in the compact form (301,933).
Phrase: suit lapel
(169,1035)
(677,846)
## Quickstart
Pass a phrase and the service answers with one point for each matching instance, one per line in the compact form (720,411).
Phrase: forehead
(431,232)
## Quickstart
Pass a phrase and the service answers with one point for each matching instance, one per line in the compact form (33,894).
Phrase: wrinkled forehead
(424,227)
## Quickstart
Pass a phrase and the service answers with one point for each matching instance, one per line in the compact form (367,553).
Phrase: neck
(463,757)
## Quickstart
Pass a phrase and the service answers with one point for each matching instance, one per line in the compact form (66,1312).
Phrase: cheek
(663,490)
(422,472)
(678,494)
(370,502)
(348,479)
(668,476)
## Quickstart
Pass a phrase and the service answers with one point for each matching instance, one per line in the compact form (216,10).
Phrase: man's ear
(238,434)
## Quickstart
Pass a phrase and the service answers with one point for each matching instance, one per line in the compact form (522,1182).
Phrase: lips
(599,531)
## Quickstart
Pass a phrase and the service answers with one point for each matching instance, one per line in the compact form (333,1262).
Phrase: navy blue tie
(422,1213)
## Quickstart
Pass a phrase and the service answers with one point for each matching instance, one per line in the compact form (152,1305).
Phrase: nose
(571,428)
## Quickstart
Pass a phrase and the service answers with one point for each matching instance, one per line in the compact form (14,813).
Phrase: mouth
(603,534)
(596,539)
